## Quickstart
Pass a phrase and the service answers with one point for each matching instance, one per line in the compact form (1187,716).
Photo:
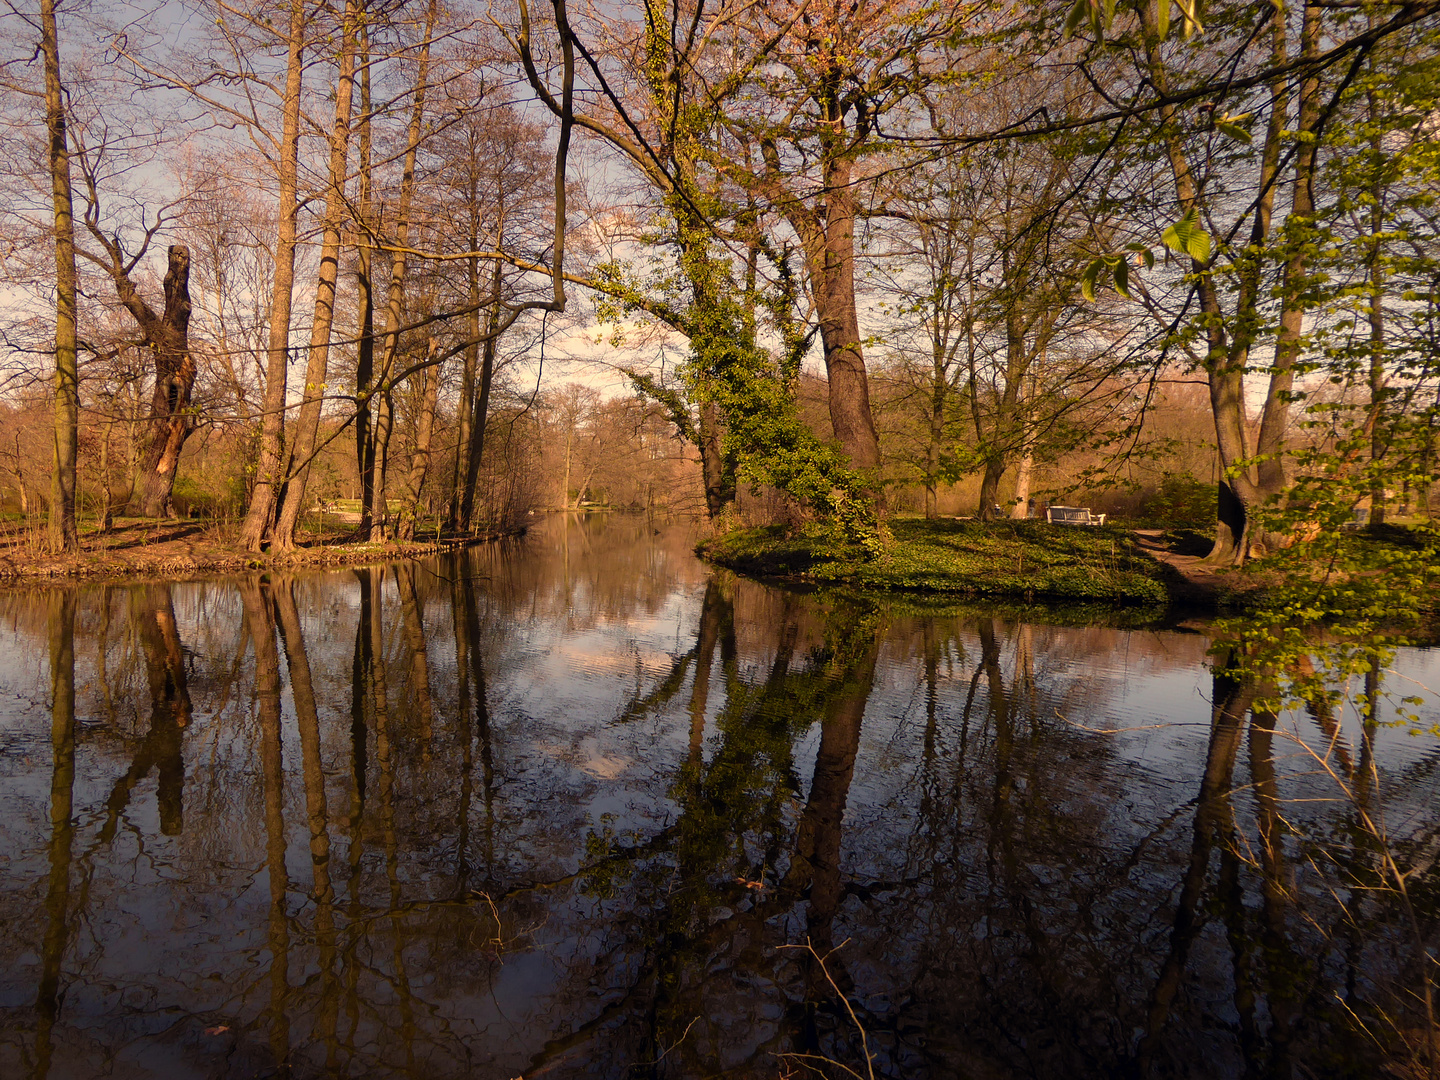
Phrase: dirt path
(1187,577)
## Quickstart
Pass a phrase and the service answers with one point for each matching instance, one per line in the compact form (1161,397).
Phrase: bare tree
(166,334)
(395,301)
(308,424)
(272,422)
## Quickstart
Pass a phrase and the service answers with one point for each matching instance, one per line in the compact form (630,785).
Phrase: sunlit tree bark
(269,464)
(64,535)
(307,425)
(395,307)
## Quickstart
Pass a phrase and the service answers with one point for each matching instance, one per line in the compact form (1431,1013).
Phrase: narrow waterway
(578,805)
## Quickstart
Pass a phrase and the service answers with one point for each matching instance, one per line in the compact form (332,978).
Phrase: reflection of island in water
(573,806)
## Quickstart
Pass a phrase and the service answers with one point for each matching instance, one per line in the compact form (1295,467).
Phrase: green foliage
(1030,559)
(1339,599)
(1187,237)
(1099,15)
(1181,501)
(1340,596)
(1184,237)
(193,497)
(765,440)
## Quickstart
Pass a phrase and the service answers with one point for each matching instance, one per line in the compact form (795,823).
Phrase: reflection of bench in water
(1073,515)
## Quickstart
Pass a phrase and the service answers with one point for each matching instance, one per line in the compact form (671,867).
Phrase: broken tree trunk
(170,417)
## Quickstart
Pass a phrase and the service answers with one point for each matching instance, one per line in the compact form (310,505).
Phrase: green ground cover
(1025,559)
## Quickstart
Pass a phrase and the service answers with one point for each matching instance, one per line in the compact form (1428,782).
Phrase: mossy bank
(1030,560)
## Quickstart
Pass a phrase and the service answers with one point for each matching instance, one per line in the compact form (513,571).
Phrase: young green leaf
(1122,276)
(1230,126)
(1187,237)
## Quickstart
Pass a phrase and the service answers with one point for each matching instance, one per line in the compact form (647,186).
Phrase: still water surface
(577,805)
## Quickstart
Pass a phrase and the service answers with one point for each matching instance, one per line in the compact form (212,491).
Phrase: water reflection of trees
(377,857)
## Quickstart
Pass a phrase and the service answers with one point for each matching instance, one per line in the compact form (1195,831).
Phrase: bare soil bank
(137,547)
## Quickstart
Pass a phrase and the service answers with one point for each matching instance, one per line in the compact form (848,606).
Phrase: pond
(578,805)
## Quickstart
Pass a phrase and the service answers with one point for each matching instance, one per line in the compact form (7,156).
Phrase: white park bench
(1073,515)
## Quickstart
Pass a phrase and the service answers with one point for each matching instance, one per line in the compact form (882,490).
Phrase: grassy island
(1026,559)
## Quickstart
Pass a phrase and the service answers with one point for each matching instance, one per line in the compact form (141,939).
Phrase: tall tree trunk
(1378,440)
(829,241)
(365,290)
(1001,439)
(939,393)
(1023,470)
(1227,353)
(990,489)
(475,452)
(107,516)
(169,421)
(64,536)
(420,456)
(1299,226)
(565,480)
(308,425)
(379,509)
(719,474)
(465,413)
(395,301)
(277,357)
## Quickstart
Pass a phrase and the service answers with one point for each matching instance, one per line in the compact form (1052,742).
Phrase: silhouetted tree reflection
(472,699)
(317,813)
(1214,826)
(565,809)
(153,616)
(62,829)
(260,625)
